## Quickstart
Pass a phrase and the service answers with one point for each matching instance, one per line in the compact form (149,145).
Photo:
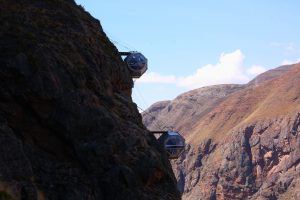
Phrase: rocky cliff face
(68,127)
(247,145)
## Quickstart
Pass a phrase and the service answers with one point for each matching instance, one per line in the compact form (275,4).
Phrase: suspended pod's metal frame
(136,62)
(172,142)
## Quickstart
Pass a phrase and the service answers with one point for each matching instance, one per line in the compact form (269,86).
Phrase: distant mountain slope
(269,75)
(247,145)
(186,109)
(275,97)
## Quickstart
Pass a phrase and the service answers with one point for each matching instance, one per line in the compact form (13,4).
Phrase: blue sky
(194,43)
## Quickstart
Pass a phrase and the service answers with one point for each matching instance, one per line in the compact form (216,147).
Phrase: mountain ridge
(247,145)
(205,93)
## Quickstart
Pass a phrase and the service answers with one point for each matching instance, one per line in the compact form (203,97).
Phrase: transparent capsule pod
(173,143)
(136,62)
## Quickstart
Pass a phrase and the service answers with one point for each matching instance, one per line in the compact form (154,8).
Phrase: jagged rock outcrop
(68,126)
(247,146)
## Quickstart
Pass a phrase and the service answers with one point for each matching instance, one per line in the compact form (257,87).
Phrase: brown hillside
(276,97)
(269,75)
(186,109)
(247,144)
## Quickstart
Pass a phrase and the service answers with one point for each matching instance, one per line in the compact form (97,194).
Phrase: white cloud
(289,62)
(229,69)
(286,62)
(255,70)
(286,46)
(153,77)
(290,47)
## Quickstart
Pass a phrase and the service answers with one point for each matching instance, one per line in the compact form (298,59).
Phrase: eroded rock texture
(68,127)
(246,145)
(259,161)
